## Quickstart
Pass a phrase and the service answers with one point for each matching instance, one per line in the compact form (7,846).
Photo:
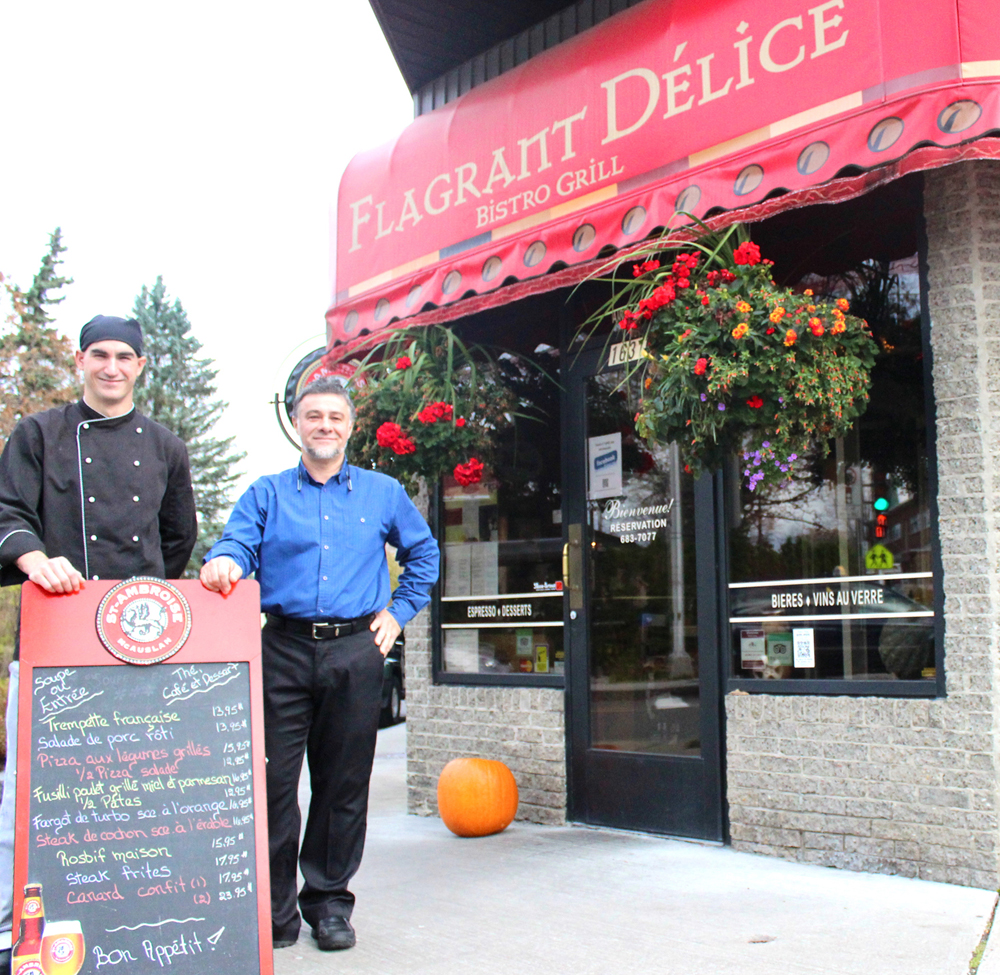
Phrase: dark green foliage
(177,389)
(36,362)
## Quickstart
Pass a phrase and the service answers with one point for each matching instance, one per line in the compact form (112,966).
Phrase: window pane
(831,575)
(502,591)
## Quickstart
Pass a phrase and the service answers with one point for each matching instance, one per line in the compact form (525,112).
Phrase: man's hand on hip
(386,629)
(53,575)
(220,574)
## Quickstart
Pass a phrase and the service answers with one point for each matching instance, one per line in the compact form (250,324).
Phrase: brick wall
(909,786)
(522,727)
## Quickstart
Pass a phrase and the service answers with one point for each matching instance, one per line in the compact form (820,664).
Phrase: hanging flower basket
(428,405)
(732,363)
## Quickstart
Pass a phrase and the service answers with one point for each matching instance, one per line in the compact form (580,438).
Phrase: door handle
(573,566)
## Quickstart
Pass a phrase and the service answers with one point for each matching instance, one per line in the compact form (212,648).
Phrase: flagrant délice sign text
(647,87)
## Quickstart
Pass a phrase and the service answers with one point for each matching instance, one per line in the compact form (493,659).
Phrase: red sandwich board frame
(61,631)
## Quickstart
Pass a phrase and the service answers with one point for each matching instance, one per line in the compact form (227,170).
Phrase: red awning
(731,110)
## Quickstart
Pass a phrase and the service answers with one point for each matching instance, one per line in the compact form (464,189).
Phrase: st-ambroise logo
(143,620)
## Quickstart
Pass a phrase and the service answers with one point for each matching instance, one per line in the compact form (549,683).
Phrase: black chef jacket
(111,494)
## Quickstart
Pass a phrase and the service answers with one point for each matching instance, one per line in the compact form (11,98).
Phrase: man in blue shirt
(315,536)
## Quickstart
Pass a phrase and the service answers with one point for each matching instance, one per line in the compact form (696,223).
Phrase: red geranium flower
(460,422)
(638,270)
(629,320)
(747,253)
(700,366)
(469,473)
(404,445)
(388,434)
(434,412)
(404,362)
(755,402)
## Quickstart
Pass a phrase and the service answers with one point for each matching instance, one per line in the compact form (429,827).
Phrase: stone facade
(909,786)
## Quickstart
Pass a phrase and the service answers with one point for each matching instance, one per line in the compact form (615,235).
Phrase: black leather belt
(321,629)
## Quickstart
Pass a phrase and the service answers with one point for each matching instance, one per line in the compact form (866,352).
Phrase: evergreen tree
(36,362)
(176,389)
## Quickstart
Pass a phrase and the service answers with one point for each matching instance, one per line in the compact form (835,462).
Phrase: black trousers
(321,697)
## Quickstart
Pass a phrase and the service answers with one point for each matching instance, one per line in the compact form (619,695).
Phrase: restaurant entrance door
(642,627)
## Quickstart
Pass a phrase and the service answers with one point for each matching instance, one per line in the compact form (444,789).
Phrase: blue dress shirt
(318,550)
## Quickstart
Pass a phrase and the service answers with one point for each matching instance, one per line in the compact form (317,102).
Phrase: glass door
(643,622)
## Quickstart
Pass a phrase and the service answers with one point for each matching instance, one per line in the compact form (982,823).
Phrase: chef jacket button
(86,460)
(93,538)
(138,429)
(91,500)
(135,497)
(135,463)
(324,578)
(135,538)
(326,546)
(86,426)
(326,517)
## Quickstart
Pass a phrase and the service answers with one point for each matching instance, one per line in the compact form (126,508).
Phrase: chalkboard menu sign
(140,794)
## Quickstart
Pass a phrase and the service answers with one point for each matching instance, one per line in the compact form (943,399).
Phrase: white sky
(203,141)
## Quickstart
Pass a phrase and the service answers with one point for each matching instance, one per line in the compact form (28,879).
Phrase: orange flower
(808,292)
(843,304)
(648,382)
(791,337)
(810,308)
(740,330)
(777,314)
(838,327)
(743,308)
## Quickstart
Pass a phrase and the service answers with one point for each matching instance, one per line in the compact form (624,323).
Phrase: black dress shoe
(275,943)
(5,961)
(334,934)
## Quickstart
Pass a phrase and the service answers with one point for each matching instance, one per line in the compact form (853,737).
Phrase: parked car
(393,687)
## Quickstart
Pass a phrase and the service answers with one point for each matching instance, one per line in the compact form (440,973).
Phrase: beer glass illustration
(62,948)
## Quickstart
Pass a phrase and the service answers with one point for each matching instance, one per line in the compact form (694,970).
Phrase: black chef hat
(108,327)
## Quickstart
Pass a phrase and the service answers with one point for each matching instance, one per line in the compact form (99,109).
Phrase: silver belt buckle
(327,626)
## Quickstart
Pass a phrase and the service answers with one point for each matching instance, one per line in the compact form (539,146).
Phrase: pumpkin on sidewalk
(476,796)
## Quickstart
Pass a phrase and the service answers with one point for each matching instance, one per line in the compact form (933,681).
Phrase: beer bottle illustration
(25,958)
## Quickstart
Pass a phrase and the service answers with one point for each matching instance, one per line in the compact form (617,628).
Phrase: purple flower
(793,456)
(766,444)
(722,406)
(703,397)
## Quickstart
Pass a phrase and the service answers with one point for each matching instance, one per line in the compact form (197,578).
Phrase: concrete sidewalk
(537,900)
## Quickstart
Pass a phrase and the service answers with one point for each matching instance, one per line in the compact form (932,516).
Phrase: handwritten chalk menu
(141,798)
